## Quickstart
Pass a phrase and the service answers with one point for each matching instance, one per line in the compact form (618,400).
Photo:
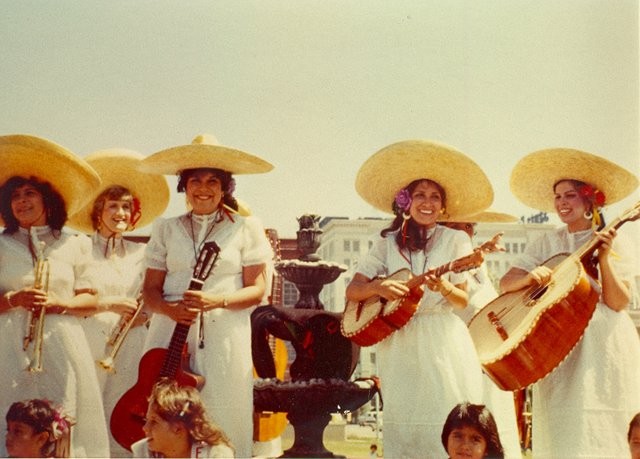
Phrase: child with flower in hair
(36,428)
(177,425)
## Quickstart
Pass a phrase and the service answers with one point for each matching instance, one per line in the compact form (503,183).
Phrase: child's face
(22,441)
(634,443)
(466,442)
(163,436)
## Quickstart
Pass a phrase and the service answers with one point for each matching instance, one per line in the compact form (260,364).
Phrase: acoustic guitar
(127,417)
(369,321)
(522,336)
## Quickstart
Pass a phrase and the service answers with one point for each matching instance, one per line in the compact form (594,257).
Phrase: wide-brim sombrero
(490,216)
(534,176)
(30,156)
(119,166)
(204,152)
(395,166)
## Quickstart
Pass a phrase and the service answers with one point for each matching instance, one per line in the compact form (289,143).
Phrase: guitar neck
(437,272)
(173,358)
(584,252)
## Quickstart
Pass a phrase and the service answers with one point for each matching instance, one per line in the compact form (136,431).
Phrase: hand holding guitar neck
(127,417)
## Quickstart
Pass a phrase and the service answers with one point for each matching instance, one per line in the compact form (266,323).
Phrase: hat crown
(205,139)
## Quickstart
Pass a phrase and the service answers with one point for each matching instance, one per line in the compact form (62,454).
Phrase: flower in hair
(593,194)
(403,200)
(61,424)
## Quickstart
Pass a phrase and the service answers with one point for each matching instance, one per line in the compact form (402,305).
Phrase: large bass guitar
(127,417)
(522,336)
(369,321)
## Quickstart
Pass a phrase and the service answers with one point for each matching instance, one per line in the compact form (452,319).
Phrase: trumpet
(35,328)
(116,338)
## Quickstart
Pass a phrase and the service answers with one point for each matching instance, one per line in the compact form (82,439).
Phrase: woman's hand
(182,313)
(122,305)
(606,242)
(391,289)
(202,301)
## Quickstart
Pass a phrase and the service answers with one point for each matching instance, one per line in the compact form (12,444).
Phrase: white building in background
(345,240)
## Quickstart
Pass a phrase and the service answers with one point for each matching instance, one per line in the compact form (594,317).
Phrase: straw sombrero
(204,151)
(534,176)
(396,166)
(29,156)
(120,167)
(490,216)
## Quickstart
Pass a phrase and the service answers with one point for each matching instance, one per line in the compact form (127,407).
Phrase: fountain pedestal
(325,359)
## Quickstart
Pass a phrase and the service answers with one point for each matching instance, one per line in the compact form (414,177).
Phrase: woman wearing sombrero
(126,199)
(582,407)
(429,365)
(220,340)
(40,183)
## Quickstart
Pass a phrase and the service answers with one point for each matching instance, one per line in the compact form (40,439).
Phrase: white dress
(501,403)
(226,361)
(116,276)
(583,407)
(429,365)
(68,377)
(198,450)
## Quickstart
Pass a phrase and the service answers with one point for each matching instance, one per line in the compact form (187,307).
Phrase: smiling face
(571,206)
(204,192)
(27,205)
(426,203)
(466,442)
(115,217)
(22,441)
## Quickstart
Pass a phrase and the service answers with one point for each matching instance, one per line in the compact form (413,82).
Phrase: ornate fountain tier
(310,277)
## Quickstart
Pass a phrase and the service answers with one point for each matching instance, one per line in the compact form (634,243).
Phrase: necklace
(216,219)
(427,247)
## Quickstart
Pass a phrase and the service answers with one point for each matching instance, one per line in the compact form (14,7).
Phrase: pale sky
(316,87)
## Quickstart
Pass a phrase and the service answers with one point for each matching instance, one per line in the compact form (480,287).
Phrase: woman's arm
(615,292)
(254,284)
(361,288)
(152,296)
(516,279)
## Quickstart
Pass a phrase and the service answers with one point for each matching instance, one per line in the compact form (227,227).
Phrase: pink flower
(403,199)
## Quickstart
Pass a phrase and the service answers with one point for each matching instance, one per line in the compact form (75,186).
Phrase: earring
(406,216)
(588,215)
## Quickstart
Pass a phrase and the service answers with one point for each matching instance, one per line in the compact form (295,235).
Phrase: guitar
(127,417)
(369,321)
(522,336)
(268,425)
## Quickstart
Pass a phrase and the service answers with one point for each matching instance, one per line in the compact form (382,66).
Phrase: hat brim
(29,156)
(534,176)
(394,167)
(120,167)
(490,216)
(193,156)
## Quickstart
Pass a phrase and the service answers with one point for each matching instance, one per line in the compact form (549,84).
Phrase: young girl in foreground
(471,431)
(178,426)
(36,429)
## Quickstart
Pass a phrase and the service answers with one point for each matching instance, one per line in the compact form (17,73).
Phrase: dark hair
(113,193)
(54,204)
(480,418)
(635,422)
(39,415)
(588,200)
(415,235)
(226,181)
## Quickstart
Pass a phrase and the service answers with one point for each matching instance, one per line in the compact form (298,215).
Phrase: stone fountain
(325,359)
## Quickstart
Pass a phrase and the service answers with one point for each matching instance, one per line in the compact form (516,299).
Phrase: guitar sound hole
(537,293)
